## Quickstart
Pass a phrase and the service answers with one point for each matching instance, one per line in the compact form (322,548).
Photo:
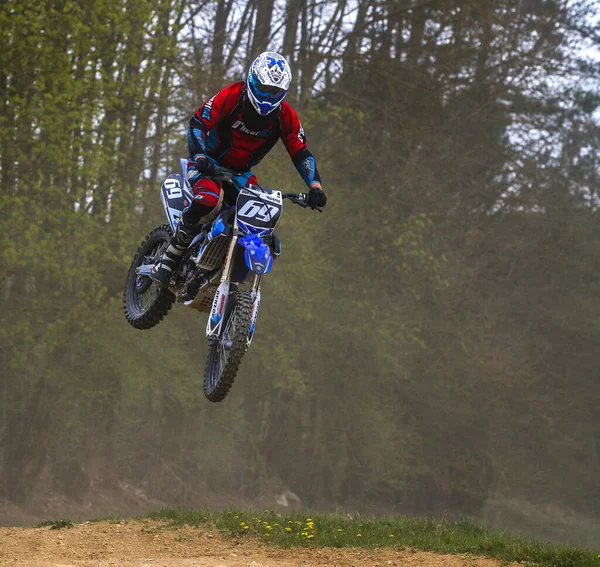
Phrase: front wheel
(146,303)
(226,351)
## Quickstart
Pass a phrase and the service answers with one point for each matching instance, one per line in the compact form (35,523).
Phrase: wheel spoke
(146,299)
(221,353)
(222,358)
(229,331)
(146,303)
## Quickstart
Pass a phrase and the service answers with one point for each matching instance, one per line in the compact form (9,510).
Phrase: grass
(56,524)
(333,530)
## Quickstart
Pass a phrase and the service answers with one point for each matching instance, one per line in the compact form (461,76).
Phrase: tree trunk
(262,29)
(219,34)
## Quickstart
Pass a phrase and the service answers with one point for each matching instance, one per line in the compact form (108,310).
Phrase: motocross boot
(169,262)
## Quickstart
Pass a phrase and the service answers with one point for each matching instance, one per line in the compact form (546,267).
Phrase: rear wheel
(146,303)
(225,354)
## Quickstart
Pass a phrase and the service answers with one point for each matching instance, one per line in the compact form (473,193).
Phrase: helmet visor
(265,92)
(270,90)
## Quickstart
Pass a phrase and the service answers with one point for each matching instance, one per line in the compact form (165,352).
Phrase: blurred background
(426,346)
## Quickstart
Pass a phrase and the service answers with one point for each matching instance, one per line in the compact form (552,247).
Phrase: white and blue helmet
(268,81)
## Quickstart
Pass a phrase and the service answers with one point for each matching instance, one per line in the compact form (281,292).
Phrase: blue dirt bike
(220,273)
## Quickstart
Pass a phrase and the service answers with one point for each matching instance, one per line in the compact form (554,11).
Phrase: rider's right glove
(316,198)
(205,167)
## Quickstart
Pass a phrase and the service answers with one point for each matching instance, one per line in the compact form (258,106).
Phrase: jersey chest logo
(241,127)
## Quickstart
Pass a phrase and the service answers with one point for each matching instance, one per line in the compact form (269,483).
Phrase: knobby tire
(217,387)
(151,315)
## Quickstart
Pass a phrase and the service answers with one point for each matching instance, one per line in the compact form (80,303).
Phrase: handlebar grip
(300,199)
(294,196)
(220,176)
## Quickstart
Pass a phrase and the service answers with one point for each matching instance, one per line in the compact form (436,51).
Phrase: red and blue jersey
(228,130)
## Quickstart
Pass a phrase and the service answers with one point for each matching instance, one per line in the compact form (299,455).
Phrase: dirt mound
(148,544)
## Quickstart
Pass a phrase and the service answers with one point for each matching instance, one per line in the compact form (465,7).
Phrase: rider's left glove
(316,198)
(205,167)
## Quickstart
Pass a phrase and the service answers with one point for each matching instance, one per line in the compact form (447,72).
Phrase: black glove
(205,167)
(316,198)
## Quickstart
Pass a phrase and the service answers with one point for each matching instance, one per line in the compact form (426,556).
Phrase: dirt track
(146,544)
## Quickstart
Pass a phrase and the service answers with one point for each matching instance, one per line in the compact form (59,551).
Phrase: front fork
(215,320)
(213,327)
(255,305)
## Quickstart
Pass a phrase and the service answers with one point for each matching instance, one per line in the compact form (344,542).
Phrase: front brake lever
(302,202)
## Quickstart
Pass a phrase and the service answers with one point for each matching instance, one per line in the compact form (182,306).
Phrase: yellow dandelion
(309,519)
(246,527)
(235,517)
(288,529)
(304,534)
(275,525)
(299,523)
(269,527)
(392,535)
(358,535)
(308,537)
(340,530)
(242,523)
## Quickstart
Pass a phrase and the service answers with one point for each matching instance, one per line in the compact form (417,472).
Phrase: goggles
(266,92)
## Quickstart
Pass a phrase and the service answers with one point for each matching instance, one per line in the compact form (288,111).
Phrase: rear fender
(183,164)
(175,197)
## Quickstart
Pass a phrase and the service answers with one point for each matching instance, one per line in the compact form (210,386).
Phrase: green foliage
(56,524)
(335,530)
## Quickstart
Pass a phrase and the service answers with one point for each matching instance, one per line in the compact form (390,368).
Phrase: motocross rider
(234,130)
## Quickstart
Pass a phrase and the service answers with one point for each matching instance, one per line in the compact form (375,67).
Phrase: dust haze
(426,346)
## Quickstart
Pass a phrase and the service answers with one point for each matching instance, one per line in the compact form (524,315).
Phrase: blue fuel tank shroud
(257,255)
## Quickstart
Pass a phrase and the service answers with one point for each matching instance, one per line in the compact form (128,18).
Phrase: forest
(428,345)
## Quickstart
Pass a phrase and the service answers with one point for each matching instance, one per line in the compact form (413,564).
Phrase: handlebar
(299,199)
(221,176)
